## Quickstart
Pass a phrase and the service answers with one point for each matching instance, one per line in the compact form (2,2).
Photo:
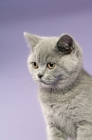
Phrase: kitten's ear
(32,40)
(65,44)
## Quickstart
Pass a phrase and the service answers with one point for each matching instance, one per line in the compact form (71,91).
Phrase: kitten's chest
(60,116)
(58,111)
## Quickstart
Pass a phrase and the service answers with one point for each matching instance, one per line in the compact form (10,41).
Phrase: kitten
(65,88)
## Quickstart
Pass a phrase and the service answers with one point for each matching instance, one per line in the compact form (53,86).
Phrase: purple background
(20,113)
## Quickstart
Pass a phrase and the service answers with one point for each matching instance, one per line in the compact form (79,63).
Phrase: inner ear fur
(32,40)
(65,44)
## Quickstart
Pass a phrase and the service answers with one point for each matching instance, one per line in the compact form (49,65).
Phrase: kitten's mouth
(46,83)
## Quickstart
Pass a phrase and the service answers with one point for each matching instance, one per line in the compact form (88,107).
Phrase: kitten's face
(53,60)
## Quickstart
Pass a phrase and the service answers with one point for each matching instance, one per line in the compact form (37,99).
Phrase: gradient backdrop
(20,113)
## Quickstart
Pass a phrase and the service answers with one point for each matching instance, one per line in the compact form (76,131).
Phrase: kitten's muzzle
(40,76)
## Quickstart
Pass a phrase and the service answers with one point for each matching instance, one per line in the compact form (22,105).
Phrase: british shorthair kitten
(65,88)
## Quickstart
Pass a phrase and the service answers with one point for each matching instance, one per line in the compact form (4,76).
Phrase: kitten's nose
(40,76)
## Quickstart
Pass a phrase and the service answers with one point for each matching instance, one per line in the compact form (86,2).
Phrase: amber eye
(51,65)
(34,65)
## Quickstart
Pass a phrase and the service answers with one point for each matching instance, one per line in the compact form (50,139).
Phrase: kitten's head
(54,61)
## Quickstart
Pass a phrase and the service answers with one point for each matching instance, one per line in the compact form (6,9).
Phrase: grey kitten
(65,88)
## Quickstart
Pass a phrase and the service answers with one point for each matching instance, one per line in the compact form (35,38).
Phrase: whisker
(23,85)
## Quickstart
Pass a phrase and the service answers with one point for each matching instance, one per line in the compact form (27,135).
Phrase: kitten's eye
(34,65)
(51,65)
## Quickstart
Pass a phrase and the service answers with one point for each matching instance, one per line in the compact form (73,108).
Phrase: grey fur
(65,92)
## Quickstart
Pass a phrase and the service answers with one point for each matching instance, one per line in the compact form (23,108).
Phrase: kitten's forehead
(45,49)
